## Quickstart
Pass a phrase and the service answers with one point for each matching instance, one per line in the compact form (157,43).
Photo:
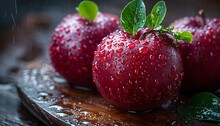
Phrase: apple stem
(202,15)
(185,35)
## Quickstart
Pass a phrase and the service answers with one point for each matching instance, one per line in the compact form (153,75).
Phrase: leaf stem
(185,35)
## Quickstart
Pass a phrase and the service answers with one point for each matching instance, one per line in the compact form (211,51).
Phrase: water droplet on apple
(111,53)
(120,50)
(143,50)
(112,79)
(146,43)
(211,54)
(136,71)
(121,44)
(131,45)
(137,41)
(156,82)
(161,57)
(151,57)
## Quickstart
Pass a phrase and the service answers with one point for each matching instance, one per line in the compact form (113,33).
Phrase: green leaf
(186,36)
(133,16)
(157,14)
(88,10)
(202,106)
(149,22)
(171,28)
(177,35)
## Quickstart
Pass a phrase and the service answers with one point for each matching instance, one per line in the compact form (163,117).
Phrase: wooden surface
(12,112)
(50,99)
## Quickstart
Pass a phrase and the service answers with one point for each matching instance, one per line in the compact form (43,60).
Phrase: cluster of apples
(141,65)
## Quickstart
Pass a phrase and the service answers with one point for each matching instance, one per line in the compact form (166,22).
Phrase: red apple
(201,58)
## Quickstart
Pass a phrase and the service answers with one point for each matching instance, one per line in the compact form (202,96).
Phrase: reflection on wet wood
(13,113)
(48,97)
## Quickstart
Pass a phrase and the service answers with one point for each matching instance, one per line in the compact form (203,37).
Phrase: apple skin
(137,74)
(73,44)
(201,58)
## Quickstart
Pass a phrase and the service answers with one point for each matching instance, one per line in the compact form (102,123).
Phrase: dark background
(27,25)
(176,8)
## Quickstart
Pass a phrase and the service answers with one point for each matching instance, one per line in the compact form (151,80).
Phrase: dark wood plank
(49,97)
(13,113)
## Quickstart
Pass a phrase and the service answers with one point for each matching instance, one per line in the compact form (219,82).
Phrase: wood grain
(13,113)
(49,98)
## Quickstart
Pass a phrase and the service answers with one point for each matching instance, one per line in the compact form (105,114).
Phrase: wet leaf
(186,36)
(202,106)
(88,10)
(157,14)
(133,16)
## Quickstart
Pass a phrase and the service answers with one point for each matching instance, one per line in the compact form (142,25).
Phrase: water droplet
(103,42)
(84,112)
(112,79)
(95,66)
(119,50)
(146,43)
(109,46)
(131,45)
(136,71)
(161,57)
(80,49)
(109,42)
(67,31)
(137,41)
(120,73)
(55,107)
(214,36)
(86,123)
(111,53)
(58,49)
(52,87)
(187,57)
(102,47)
(102,53)
(143,50)
(43,96)
(104,59)
(121,44)
(151,57)
(118,91)
(119,56)
(211,54)
(60,37)
(141,89)
(62,43)
(61,114)
(156,82)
